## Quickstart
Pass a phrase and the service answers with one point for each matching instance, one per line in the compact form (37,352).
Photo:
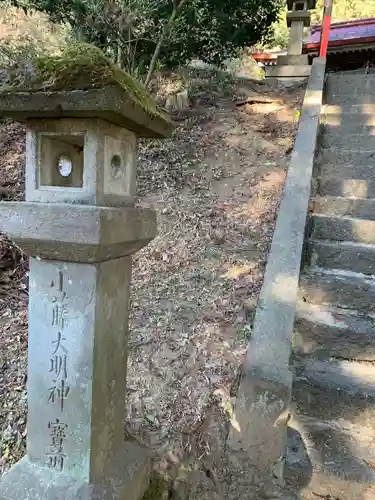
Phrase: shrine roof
(347,36)
(348,33)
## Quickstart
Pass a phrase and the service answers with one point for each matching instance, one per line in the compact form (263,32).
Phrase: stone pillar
(80,228)
(295,38)
(297,18)
(294,67)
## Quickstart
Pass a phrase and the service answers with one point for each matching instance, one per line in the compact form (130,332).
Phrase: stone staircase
(334,337)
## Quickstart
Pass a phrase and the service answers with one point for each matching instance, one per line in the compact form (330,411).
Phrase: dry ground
(216,186)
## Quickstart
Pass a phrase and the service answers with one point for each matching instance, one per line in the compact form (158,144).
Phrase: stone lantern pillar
(80,228)
(295,66)
(297,18)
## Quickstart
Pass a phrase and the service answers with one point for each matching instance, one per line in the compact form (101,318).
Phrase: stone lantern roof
(311,4)
(82,82)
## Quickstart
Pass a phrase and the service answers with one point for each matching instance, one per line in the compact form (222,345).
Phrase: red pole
(326,26)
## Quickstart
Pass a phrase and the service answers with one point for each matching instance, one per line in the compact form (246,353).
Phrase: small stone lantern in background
(298,17)
(294,67)
(80,228)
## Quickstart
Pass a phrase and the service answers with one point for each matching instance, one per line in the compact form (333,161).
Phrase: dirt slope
(216,186)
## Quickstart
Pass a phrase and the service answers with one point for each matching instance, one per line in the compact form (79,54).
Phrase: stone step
(334,288)
(337,228)
(347,124)
(339,333)
(345,171)
(360,208)
(349,107)
(341,377)
(333,410)
(353,123)
(347,74)
(348,187)
(348,141)
(358,97)
(323,485)
(349,83)
(345,255)
(346,91)
(361,156)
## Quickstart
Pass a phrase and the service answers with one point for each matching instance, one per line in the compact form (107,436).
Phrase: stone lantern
(80,228)
(298,17)
(294,66)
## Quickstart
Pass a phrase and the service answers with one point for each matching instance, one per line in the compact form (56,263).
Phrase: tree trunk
(164,33)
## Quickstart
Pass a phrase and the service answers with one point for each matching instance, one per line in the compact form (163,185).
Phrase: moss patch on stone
(79,67)
(158,489)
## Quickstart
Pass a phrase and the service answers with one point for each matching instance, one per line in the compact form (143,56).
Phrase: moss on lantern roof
(79,67)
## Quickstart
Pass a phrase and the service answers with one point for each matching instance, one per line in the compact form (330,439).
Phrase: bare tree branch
(167,26)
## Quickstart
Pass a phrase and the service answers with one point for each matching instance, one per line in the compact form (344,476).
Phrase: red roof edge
(339,43)
(264,56)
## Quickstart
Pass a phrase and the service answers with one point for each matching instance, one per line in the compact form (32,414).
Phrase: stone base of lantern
(293,60)
(289,72)
(126,479)
(288,75)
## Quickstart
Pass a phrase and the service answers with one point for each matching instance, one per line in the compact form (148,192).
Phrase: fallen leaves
(216,186)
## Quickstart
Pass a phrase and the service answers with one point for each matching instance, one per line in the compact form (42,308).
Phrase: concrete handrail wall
(261,414)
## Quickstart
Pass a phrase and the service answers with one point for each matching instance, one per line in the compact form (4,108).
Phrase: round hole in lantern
(116,165)
(64,165)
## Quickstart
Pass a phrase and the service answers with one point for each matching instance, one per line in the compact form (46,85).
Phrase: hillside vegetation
(344,10)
